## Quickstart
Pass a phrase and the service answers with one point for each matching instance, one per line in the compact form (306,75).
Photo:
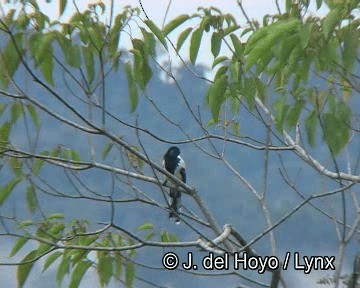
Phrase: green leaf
(78,273)
(210,123)
(104,269)
(33,43)
(106,150)
(195,44)
(216,96)
(132,90)
(148,236)
(234,78)
(220,72)
(263,40)
(65,153)
(56,216)
(20,242)
(261,89)
(216,40)
(75,156)
(56,230)
(351,44)
(96,35)
(335,126)
(255,37)
(149,42)
(23,21)
(41,20)
(182,37)
(2,108)
(88,240)
(63,268)
(78,255)
(62,7)
(235,103)
(137,67)
(229,30)
(332,19)
(41,46)
(35,169)
(141,70)
(34,4)
(219,60)
(116,59)
(10,58)
(116,239)
(236,128)
(245,31)
(47,65)
(114,34)
(23,270)
(139,46)
(89,63)
(172,238)
(239,49)
(176,22)
(129,274)
(280,112)
(146,72)
(31,199)
(16,166)
(206,21)
(294,113)
(43,248)
(7,189)
(145,226)
(117,265)
(15,111)
(71,52)
(4,133)
(305,35)
(164,236)
(51,259)
(157,32)
(33,114)
(249,92)
(310,127)
(24,224)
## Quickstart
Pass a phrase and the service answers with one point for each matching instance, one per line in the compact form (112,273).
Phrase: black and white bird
(176,166)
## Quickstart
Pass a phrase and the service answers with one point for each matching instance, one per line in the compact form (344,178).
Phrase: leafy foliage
(287,49)
(75,261)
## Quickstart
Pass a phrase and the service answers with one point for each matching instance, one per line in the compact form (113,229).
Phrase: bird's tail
(175,205)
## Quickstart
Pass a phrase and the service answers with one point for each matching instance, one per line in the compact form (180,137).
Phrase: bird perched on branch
(176,166)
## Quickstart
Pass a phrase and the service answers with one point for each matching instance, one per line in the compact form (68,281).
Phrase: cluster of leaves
(10,113)
(283,54)
(85,40)
(52,233)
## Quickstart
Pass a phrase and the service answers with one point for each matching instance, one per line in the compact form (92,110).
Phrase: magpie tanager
(176,166)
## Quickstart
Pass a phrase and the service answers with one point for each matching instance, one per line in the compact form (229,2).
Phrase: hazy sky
(255,9)
(157,11)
